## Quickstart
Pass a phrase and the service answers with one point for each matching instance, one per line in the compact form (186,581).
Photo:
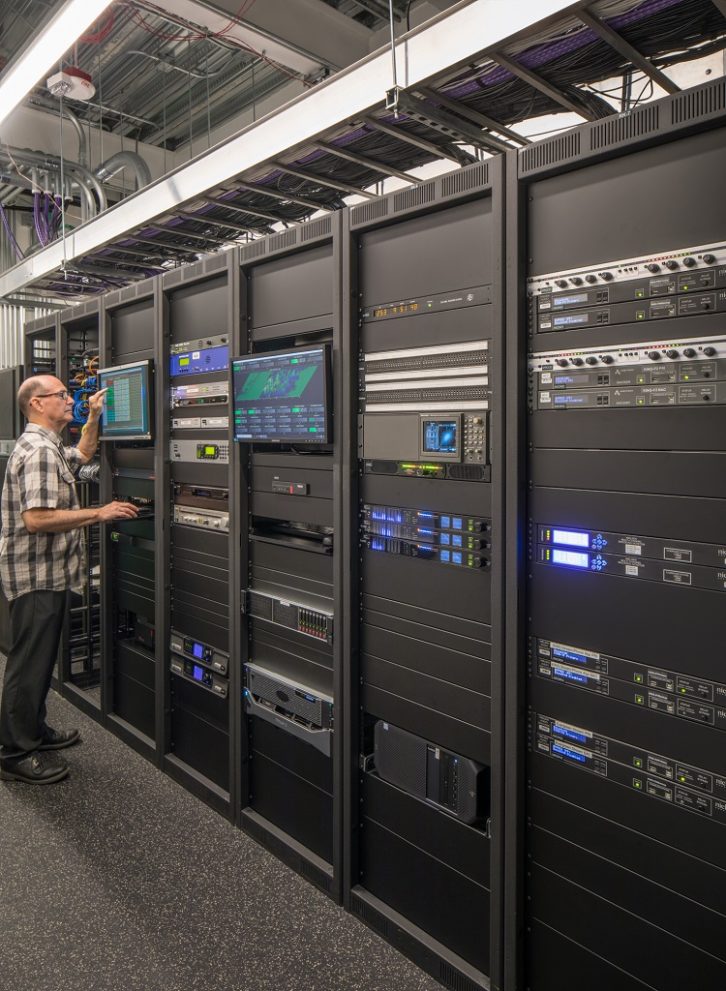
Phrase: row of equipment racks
(426,589)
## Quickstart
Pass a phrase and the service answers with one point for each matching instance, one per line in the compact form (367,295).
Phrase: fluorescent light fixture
(47,49)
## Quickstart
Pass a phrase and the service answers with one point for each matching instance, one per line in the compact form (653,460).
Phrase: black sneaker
(56,739)
(35,769)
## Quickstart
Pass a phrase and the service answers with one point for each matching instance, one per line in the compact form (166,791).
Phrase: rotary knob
(689,262)
(671,264)
(689,352)
(654,355)
(653,267)
(709,351)
(606,276)
(578,362)
(576,280)
(591,279)
(591,359)
(562,362)
(709,259)
(672,353)
(607,359)
(562,283)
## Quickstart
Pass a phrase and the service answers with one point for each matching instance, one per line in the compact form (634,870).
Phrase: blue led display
(569,655)
(457,523)
(457,557)
(377,544)
(457,540)
(197,672)
(570,754)
(571,734)
(571,676)
(445,556)
(570,399)
(571,559)
(446,522)
(571,538)
(445,538)
(198,650)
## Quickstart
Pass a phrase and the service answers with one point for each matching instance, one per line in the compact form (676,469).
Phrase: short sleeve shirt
(40,475)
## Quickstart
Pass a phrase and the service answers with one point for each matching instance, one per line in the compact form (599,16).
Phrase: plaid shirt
(40,475)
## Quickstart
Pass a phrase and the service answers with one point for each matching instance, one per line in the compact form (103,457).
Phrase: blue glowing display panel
(571,538)
(571,559)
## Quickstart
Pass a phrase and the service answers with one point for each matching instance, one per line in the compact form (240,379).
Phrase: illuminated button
(671,264)
(654,355)
(638,678)
(607,359)
(591,359)
(578,361)
(709,351)
(709,259)
(637,784)
(591,278)
(576,280)
(639,700)
(689,262)
(637,762)
(606,276)
(563,362)
(653,267)
(671,353)
(689,352)
(562,283)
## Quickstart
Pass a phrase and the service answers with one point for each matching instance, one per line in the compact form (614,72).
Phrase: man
(41,560)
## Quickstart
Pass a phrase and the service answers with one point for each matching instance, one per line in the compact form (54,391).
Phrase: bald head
(35,386)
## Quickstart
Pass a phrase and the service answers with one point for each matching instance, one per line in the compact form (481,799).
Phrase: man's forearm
(58,520)
(89,439)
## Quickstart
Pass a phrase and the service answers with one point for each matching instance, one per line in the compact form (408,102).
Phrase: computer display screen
(127,407)
(282,396)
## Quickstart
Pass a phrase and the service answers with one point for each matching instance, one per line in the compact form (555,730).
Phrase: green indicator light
(639,294)
(686,377)
(637,783)
(639,700)
(294,361)
(640,315)
(296,409)
(638,679)
(683,691)
(682,779)
(429,305)
(637,761)
(312,430)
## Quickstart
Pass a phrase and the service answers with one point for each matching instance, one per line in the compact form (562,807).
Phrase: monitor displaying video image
(127,406)
(282,397)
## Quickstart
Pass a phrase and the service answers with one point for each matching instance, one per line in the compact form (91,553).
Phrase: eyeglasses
(63,394)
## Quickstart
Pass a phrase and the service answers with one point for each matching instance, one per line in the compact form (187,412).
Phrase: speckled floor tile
(117,879)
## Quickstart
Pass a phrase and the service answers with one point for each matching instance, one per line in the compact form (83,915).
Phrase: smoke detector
(71,82)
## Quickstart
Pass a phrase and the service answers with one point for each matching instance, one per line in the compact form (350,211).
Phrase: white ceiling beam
(219,17)
(458,37)
(308,25)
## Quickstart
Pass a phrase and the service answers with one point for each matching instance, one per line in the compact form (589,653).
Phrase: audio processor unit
(203,519)
(678,283)
(199,652)
(190,394)
(209,354)
(199,675)
(199,451)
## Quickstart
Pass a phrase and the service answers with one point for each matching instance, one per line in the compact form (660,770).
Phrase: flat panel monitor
(282,397)
(127,408)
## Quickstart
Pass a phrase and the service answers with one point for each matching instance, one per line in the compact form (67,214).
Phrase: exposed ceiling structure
(171,79)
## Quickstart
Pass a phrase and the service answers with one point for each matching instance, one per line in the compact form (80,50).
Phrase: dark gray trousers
(36,622)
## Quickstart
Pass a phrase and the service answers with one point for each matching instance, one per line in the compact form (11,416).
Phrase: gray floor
(116,878)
